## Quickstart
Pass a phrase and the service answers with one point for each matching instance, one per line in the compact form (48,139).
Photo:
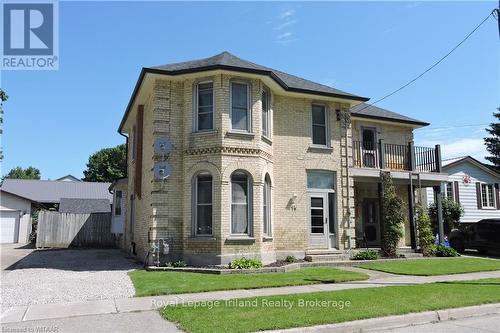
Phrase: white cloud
(287,13)
(463,147)
(285,24)
(285,35)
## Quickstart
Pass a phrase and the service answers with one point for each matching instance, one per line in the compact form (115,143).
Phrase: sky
(54,120)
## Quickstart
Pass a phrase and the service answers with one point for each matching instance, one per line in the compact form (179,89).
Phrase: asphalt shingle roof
(51,191)
(84,206)
(371,111)
(226,60)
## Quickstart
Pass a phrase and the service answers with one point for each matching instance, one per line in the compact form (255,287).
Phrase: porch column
(439,209)
(411,216)
(381,210)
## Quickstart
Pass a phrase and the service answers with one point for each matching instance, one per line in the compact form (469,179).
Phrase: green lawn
(435,266)
(260,314)
(162,283)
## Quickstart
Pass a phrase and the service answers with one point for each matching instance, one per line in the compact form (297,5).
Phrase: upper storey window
(240,106)
(266,113)
(319,127)
(204,119)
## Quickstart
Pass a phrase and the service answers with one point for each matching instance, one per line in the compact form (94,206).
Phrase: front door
(318,216)
(371,224)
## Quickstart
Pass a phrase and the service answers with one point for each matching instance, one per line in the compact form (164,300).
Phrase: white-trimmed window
(267,207)
(319,125)
(240,106)
(204,106)
(240,203)
(449,191)
(118,203)
(202,199)
(488,195)
(266,113)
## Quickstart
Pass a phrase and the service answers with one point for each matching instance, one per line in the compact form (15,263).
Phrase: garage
(9,226)
(15,218)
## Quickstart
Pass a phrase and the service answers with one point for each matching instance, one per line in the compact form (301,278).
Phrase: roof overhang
(389,121)
(151,73)
(475,162)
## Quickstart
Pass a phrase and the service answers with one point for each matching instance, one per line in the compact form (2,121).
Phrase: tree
(393,218)
(425,233)
(107,165)
(452,211)
(3,98)
(493,142)
(20,173)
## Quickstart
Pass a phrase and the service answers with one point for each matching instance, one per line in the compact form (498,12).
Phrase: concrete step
(327,257)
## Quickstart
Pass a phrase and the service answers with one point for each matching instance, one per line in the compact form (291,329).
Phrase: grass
(259,314)
(163,283)
(428,267)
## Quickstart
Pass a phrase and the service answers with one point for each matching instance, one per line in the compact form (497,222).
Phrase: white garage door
(9,226)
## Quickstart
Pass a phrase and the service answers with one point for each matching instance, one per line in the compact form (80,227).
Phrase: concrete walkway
(113,306)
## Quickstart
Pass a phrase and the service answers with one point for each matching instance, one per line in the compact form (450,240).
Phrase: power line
(452,126)
(493,12)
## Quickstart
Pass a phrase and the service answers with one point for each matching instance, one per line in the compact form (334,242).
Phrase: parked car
(483,236)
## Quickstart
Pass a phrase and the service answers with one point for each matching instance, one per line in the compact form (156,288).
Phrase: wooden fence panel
(61,230)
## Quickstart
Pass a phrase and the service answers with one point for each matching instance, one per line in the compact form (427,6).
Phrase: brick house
(227,158)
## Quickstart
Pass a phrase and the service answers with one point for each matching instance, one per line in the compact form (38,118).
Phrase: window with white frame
(487,195)
(266,113)
(204,119)
(118,203)
(319,125)
(449,191)
(267,208)
(240,106)
(240,203)
(202,210)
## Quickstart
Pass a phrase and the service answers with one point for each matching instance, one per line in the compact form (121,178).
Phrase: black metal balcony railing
(391,156)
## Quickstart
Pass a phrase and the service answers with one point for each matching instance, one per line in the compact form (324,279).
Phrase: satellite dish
(162,146)
(162,170)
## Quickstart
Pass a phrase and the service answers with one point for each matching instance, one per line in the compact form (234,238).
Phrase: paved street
(481,324)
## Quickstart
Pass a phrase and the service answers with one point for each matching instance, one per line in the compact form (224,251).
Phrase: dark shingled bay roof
(226,60)
(84,206)
(370,111)
(51,191)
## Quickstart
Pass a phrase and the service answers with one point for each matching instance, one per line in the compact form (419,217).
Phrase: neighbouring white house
(15,218)
(474,185)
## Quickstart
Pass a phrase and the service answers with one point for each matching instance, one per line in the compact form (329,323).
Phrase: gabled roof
(70,178)
(51,191)
(364,110)
(84,206)
(448,163)
(228,61)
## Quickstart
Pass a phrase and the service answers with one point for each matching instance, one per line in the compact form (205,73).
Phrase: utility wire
(452,126)
(493,13)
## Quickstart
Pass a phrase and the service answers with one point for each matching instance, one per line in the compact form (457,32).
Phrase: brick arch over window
(251,169)
(204,166)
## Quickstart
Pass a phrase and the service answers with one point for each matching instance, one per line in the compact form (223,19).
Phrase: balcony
(395,157)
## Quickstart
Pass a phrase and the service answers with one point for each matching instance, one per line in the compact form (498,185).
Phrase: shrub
(452,211)
(179,263)
(394,217)
(444,251)
(366,255)
(425,234)
(290,259)
(245,263)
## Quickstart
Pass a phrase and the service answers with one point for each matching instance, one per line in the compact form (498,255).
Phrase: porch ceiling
(399,177)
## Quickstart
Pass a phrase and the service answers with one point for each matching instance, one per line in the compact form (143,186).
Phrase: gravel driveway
(52,276)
